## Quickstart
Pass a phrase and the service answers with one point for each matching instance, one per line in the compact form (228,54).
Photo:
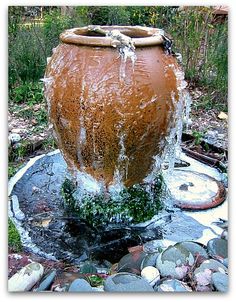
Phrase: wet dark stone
(183,228)
(46,283)
(66,236)
(218,248)
(196,249)
(220,281)
(149,260)
(124,282)
(211,264)
(131,262)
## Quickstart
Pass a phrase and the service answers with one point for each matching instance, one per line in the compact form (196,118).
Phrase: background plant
(198,35)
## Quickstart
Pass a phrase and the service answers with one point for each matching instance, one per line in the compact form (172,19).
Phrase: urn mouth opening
(94,35)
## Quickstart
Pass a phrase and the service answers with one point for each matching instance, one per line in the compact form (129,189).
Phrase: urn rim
(141,36)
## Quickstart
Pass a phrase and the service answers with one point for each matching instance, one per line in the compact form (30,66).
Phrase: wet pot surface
(111,113)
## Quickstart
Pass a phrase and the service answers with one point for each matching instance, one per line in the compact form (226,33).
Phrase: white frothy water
(126,53)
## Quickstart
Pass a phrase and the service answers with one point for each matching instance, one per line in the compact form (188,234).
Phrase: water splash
(188,103)
(172,150)
(126,53)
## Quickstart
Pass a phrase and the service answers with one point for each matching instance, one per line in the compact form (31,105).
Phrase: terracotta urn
(112,95)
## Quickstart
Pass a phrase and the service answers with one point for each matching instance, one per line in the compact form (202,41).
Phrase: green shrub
(28,92)
(27,56)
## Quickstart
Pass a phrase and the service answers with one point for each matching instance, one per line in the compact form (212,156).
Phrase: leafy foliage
(28,92)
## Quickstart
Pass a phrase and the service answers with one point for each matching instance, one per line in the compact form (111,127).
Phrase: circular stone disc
(195,191)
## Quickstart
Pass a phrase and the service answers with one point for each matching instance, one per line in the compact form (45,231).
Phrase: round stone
(131,262)
(193,190)
(220,281)
(175,262)
(218,248)
(149,260)
(203,274)
(151,274)
(125,282)
(195,248)
(173,285)
(80,285)
(212,265)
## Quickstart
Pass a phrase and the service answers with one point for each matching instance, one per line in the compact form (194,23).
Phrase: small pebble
(151,274)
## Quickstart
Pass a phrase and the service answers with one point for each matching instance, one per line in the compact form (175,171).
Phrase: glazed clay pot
(111,111)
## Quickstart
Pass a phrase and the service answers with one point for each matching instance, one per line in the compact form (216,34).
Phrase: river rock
(218,248)
(46,283)
(26,278)
(175,262)
(80,285)
(126,282)
(131,262)
(203,274)
(149,260)
(195,248)
(173,285)
(151,274)
(220,281)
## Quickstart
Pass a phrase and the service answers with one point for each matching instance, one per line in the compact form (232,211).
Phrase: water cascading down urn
(112,94)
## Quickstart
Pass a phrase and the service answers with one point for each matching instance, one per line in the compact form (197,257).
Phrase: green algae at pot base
(132,205)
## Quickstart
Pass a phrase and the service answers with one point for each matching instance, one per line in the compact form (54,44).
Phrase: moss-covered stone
(133,205)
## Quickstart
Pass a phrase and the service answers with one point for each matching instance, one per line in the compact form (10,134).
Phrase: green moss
(14,241)
(133,205)
(95,280)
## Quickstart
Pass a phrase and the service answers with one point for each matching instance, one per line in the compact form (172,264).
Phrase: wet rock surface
(218,248)
(220,281)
